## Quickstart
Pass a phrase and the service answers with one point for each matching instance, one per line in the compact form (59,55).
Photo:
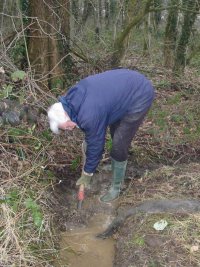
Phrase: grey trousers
(122,133)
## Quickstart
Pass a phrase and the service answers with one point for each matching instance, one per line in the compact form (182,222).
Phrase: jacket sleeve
(95,131)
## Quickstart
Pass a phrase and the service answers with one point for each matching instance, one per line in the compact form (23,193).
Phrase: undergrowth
(30,153)
(27,236)
(178,243)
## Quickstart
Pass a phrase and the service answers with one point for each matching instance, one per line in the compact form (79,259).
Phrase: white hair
(57,115)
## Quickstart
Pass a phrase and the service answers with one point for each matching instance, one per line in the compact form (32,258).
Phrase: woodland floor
(137,242)
(164,162)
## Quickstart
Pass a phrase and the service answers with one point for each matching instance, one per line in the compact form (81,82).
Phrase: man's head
(59,119)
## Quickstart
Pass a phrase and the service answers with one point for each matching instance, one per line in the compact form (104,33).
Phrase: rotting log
(153,207)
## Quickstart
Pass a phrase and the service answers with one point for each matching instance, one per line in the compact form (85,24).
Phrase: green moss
(13,199)
(35,211)
(46,134)
(174,99)
(136,241)
(75,163)
(163,84)
(161,119)
(109,144)
(153,263)
(177,118)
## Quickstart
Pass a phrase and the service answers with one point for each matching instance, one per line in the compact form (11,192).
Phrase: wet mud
(79,245)
(136,243)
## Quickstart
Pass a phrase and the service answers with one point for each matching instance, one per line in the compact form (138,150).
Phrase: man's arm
(95,130)
(95,147)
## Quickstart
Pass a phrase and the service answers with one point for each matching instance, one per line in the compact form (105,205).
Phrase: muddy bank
(136,243)
(78,243)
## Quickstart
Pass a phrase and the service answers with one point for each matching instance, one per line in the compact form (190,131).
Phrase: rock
(12,112)
(11,117)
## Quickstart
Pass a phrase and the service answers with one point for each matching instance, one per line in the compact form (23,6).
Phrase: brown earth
(137,242)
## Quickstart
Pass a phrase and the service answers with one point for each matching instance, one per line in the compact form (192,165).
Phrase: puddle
(80,247)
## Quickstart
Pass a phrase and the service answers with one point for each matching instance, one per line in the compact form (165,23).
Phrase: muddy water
(80,247)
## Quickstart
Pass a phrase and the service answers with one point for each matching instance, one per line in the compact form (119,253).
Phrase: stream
(80,247)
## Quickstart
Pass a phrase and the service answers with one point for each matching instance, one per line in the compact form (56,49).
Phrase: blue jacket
(102,99)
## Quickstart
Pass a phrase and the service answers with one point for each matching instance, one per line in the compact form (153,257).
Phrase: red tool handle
(81,193)
(81,196)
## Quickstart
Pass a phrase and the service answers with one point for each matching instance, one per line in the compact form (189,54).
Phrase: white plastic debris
(2,70)
(194,248)
(160,225)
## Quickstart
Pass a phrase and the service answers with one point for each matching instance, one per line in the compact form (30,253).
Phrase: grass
(178,244)
(170,135)
(27,234)
(25,224)
(28,226)
(171,127)
(26,220)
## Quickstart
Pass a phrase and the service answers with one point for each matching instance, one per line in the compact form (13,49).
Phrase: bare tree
(191,9)
(171,33)
(75,10)
(157,13)
(87,11)
(107,13)
(134,20)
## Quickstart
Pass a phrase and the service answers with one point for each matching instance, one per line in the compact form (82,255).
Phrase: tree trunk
(75,15)
(147,35)
(75,9)
(157,14)
(100,7)
(107,13)
(120,40)
(64,40)
(97,21)
(49,40)
(190,14)
(170,35)
(113,10)
(8,17)
(38,47)
(87,11)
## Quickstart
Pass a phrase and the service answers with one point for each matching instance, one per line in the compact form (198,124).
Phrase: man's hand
(85,179)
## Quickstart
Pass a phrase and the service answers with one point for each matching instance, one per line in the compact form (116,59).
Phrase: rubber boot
(118,172)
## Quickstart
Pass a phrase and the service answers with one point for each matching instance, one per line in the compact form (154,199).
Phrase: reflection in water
(80,247)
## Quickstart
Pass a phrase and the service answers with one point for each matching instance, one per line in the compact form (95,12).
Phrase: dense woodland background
(48,39)
(48,45)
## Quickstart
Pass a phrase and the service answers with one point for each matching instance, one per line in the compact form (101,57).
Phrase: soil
(152,173)
(137,243)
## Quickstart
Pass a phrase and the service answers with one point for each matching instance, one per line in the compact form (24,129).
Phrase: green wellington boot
(118,172)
